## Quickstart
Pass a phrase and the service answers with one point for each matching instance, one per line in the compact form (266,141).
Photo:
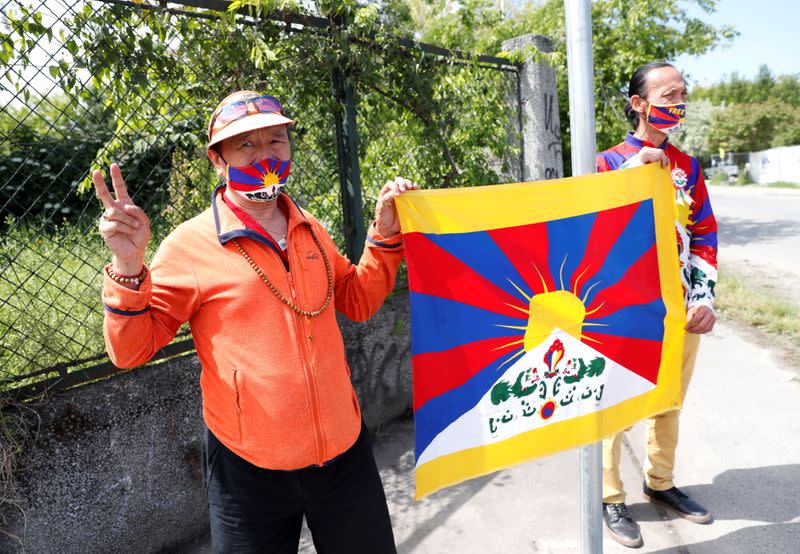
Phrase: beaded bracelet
(132,279)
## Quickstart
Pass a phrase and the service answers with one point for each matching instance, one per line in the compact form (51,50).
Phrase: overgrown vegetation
(51,287)
(19,426)
(743,115)
(783,185)
(136,86)
(743,303)
(625,35)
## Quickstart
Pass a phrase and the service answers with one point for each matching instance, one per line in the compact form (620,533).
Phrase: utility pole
(580,72)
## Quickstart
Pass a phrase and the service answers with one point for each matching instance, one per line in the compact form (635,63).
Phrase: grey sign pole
(580,67)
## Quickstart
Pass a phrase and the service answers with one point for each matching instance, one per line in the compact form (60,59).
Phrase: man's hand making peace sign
(124,226)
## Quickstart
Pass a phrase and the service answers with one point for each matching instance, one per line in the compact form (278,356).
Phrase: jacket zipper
(238,405)
(309,375)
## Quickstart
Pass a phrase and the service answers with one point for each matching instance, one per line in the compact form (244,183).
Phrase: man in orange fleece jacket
(258,279)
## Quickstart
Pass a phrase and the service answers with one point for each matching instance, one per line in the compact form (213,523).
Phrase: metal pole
(521,123)
(347,155)
(580,68)
(349,170)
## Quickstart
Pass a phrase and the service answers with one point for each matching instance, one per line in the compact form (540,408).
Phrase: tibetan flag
(544,316)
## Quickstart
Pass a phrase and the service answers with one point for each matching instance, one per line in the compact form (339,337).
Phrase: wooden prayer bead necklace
(277,293)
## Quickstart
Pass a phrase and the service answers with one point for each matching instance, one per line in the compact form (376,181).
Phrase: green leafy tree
(694,138)
(754,127)
(469,25)
(48,145)
(763,88)
(626,34)
(787,89)
(749,115)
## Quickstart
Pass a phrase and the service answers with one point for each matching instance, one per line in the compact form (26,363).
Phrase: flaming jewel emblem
(553,355)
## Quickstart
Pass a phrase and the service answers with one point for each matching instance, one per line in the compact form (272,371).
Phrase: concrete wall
(116,465)
(775,164)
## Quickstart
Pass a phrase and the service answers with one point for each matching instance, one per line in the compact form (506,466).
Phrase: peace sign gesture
(124,227)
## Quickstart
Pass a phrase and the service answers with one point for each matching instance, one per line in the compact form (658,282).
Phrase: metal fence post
(347,156)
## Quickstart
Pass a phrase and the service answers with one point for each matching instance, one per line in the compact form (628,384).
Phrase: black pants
(261,510)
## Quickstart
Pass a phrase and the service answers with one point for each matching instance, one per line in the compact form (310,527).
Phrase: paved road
(759,232)
(739,455)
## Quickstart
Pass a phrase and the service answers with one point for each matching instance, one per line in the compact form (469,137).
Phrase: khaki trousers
(662,439)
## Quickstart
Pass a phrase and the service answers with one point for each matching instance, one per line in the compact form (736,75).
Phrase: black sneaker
(678,501)
(621,526)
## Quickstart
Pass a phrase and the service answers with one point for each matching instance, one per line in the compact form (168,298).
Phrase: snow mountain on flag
(532,393)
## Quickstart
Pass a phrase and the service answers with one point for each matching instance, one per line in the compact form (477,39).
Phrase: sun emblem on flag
(549,310)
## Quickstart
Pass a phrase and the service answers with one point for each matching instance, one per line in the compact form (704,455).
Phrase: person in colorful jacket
(656,109)
(259,279)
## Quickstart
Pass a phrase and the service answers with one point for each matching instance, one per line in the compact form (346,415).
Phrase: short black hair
(638,87)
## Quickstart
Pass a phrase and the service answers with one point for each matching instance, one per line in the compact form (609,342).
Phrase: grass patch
(719,178)
(50,306)
(750,306)
(50,289)
(784,185)
(19,427)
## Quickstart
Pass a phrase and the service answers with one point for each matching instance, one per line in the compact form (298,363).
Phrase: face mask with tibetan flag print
(667,118)
(261,181)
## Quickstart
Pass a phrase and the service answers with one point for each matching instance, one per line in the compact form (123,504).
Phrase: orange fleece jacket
(276,385)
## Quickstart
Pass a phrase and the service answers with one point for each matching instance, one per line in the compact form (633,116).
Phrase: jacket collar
(639,144)
(229,226)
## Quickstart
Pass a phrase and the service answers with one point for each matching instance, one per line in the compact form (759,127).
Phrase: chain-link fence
(84,83)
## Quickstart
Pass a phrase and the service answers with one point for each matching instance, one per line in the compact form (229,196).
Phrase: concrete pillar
(538,99)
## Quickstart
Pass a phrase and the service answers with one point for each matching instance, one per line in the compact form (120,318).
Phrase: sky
(767,36)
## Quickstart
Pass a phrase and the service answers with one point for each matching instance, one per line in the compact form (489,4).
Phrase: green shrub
(743,177)
(719,178)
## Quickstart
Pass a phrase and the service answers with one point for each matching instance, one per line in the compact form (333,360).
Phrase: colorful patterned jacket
(694,219)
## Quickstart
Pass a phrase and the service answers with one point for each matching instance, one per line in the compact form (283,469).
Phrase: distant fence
(84,83)
(764,167)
